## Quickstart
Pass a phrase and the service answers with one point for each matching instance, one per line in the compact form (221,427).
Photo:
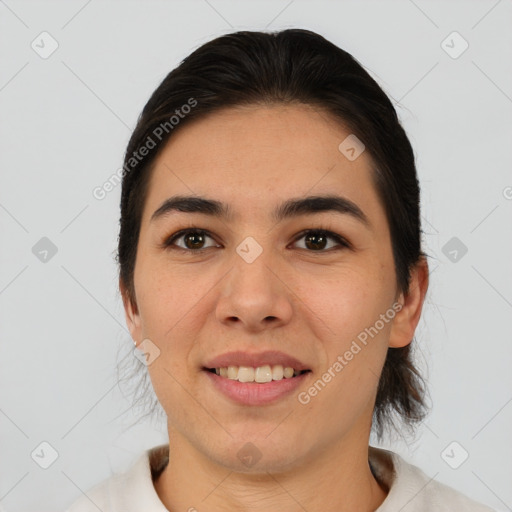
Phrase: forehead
(255,157)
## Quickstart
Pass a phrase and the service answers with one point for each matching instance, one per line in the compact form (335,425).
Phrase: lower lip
(254,393)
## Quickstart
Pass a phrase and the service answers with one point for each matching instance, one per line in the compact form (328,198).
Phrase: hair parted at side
(293,66)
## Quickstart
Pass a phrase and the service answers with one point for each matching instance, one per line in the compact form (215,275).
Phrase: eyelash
(169,242)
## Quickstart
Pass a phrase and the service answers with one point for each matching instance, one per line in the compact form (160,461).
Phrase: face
(258,290)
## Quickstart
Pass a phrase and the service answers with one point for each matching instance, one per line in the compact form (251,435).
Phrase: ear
(131,314)
(406,320)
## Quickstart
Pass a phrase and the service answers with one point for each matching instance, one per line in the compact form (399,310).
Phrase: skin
(294,298)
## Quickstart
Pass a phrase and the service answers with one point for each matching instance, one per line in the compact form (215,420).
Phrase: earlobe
(407,319)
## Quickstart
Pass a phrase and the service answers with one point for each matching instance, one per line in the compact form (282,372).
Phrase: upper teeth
(262,374)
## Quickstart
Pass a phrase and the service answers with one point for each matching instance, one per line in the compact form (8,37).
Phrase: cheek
(356,341)
(355,353)
(168,297)
(346,301)
(169,305)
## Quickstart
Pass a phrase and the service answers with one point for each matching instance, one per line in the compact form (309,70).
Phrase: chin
(258,454)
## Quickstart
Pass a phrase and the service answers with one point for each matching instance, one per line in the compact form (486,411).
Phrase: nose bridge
(253,261)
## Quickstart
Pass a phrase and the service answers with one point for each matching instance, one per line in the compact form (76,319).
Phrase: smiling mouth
(258,375)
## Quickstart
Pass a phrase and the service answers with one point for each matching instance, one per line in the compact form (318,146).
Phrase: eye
(316,240)
(192,238)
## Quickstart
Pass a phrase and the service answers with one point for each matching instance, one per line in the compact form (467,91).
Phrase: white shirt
(410,489)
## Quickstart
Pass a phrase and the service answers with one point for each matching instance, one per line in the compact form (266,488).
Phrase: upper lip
(268,357)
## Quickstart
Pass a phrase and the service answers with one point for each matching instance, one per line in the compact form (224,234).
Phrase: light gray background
(65,122)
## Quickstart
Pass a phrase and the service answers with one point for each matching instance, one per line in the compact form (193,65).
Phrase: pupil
(312,236)
(198,240)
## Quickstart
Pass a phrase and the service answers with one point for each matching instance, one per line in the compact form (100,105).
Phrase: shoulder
(97,498)
(131,490)
(411,490)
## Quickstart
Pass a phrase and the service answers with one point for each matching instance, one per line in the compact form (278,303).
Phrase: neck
(338,479)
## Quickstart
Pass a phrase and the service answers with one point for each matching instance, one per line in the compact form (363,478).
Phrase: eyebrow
(290,208)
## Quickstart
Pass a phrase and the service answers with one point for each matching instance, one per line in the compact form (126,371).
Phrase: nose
(255,296)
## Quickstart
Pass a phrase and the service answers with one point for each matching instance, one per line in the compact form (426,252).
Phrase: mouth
(259,375)
(255,379)
(243,389)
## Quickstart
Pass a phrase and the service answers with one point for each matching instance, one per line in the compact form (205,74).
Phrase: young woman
(272,277)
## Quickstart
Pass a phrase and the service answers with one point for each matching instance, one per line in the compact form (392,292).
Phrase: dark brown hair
(300,67)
